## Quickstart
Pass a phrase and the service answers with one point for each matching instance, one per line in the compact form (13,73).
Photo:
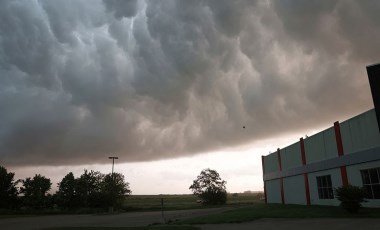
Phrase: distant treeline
(92,189)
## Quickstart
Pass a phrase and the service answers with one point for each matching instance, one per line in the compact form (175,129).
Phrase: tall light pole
(113,181)
(113,162)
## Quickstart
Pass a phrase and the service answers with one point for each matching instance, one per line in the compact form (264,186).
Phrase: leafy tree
(66,196)
(210,187)
(88,189)
(350,197)
(114,189)
(92,189)
(8,189)
(35,191)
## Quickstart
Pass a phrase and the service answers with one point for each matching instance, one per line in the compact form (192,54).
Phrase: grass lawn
(257,211)
(145,203)
(180,202)
(163,227)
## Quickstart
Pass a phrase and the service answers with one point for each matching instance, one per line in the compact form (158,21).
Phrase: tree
(66,195)
(88,189)
(8,189)
(114,189)
(35,191)
(210,187)
(350,197)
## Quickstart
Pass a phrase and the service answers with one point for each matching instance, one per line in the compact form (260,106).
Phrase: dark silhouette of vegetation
(210,187)
(8,190)
(35,192)
(350,197)
(114,189)
(90,191)
(97,190)
(66,196)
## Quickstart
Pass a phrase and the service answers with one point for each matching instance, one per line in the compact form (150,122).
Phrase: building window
(325,190)
(371,182)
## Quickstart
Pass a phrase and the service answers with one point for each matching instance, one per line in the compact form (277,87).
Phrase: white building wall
(271,163)
(360,132)
(354,178)
(291,156)
(321,146)
(294,190)
(273,190)
(336,181)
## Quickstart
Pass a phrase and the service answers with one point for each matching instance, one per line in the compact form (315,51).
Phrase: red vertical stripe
(303,155)
(339,145)
(265,189)
(265,193)
(263,164)
(281,179)
(338,137)
(307,191)
(279,159)
(305,177)
(282,191)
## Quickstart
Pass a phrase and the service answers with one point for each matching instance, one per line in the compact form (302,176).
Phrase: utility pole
(113,162)
(113,181)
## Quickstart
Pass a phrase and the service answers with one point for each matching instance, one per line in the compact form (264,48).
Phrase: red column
(307,191)
(338,138)
(305,177)
(339,145)
(303,153)
(282,191)
(279,159)
(281,179)
(265,189)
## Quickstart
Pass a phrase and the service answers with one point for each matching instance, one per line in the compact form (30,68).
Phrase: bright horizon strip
(241,167)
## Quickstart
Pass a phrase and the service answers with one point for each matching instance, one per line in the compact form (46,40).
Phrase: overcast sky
(173,81)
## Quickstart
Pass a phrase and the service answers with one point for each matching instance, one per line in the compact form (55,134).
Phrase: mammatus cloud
(148,80)
(121,8)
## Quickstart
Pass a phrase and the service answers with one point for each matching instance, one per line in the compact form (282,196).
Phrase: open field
(177,202)
(145,203)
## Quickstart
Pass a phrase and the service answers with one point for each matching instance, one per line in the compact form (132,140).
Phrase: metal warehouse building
(307,172)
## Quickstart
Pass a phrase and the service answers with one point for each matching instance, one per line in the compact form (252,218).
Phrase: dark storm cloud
(122,8)
(149,80)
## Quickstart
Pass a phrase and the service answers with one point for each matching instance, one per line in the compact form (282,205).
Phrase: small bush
(214,197)
(350,197)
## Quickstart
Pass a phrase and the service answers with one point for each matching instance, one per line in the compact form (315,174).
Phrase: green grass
(177,202)
(144,203)
(153,202)
(258,211)
(162,227)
